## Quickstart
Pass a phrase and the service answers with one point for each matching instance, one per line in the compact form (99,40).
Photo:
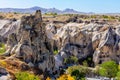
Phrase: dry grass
(60,18)
(12,15)
(14,65)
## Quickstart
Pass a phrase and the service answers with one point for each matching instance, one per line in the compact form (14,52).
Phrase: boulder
(3,71)
(4,75)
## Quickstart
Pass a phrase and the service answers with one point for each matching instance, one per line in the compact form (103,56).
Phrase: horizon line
(60,9)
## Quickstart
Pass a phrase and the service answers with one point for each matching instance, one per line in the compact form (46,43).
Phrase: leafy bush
(71,60)
(118,75)
(74,59)
(119,67)
(80,68)
(26,76)
(78,72)
(78,75)
(108,69)
(85,63)
(2,48)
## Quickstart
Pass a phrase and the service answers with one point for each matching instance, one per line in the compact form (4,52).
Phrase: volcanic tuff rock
(30,43)
(30,40)
(108,46)
(82,40)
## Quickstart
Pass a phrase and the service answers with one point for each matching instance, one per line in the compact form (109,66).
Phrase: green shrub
(67,61)
(85,63)
(26,76)
(55,52)
(71,60)
(51,14)
(2,48)
(81,69)
(78,75)
(74,59)
(78,72)
(108,69)
(105,16)
(118,75)
(93,16)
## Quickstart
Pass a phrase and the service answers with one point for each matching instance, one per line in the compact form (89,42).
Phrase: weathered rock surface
(71,39)
(35,43)
(31,44)
(8,27)
(81,40)
(108,46)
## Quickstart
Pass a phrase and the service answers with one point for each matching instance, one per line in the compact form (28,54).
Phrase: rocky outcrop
(8,27)
(31,44)
(108,47)
(74,41)
(82,40)
(31,41)
(71,40)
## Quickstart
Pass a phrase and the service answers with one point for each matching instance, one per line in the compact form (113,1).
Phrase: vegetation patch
(3,63)
(71,60)
(55,52)
(108,69)
(78,72)
(26,76)
(2,48)
(66,77)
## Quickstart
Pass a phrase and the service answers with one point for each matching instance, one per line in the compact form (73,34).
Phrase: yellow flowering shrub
(3,63)
(48,78)
(65,77)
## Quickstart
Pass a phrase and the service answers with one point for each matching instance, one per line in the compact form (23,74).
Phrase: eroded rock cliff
(35,43)
(30,43)
(81,40)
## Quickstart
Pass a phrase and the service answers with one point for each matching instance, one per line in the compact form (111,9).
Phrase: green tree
(108,69)
(78,72)
(78,75)
(118,75)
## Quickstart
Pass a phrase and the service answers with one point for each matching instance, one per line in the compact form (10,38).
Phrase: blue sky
(98,6)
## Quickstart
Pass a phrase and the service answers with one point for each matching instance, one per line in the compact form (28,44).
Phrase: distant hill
(44,10)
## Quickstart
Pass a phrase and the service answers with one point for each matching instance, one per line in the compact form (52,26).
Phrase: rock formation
(31,41)
(82,40)
(31,44)
(108,46)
